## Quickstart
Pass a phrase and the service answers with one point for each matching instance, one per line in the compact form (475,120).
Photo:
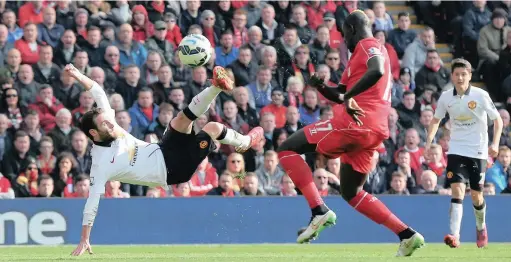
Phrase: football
(194,50)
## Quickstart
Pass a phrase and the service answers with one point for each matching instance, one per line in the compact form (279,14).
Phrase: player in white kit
(118,156)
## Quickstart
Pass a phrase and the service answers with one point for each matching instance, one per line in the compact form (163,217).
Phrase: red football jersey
(376,100)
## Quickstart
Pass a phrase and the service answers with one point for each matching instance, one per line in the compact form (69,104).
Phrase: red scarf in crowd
(160,8)
(434,69)
(298,71)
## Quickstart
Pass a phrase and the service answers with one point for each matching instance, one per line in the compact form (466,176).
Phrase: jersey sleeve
(102,102)
(441,107)
(97,188)
(489,107)
(371,49)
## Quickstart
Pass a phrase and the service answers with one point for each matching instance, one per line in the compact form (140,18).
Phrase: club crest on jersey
(472,104)
(374,51)
(203,144)
(449,174)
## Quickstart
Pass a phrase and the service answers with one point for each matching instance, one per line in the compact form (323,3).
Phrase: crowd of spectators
(270,48)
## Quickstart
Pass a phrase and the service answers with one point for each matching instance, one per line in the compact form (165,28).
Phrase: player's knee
(348,193)
(213,129)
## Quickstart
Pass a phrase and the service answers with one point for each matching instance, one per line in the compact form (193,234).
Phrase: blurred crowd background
(271,48)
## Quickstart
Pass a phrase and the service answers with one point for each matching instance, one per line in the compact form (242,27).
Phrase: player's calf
(229,136)
(479,206)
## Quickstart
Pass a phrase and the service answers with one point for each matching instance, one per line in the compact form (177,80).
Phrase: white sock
(236,139)
(200,103)
(456,213)
(480,217)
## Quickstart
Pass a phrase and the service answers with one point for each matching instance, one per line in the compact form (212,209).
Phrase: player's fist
(316,81)
(82,247)
(72,71)
(493,150)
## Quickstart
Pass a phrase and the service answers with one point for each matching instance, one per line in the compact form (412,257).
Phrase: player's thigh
(298,143)
(476,173)
(456,171)
(182,123)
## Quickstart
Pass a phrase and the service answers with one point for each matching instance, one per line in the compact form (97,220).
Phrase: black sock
(481,206)
(319,210)
(405,234)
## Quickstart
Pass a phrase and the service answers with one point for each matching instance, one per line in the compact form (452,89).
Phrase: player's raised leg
(229,136)
(371,207)
(202,101)
(289,155)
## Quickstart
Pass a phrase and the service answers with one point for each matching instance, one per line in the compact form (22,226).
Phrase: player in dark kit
(356,131)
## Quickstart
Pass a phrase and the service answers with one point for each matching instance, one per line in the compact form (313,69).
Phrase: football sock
(374,209)
(201,102)
(456,213)
(233,138)
(298,170)
(480,213)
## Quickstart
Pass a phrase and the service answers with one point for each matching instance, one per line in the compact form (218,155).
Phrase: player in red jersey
(357,130)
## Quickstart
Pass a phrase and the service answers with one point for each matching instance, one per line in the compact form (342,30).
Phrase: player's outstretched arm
(375,70)
(90,85)
(89,214)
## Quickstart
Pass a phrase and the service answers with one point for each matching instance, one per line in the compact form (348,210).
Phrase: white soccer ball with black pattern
(194,50)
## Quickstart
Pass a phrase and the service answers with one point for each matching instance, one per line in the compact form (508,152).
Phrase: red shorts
(355,145)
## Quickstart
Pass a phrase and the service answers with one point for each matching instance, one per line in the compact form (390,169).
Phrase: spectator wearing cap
(336,40)
(131,51)
(276,107)
(48,31)
(45,71)
(473,20)
(226,53)
(142,27)
(81,20)
(190,16)
(92,46)
(159,44)
(244,68)
(298,17)
(432,73)
(28,45)
(65,51)
(320,45)
(156,10)
(401,36)
(14,31)
(209,28)
(394,60)
(416,53)
(268,25)
(173,31)
(492,40)
(30,12)
(315,11)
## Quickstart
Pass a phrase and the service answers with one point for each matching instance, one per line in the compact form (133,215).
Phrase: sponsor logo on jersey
(374,51)
(449,174)
(203,144)
(472,104)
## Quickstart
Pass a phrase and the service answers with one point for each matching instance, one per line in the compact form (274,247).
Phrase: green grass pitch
(266,253)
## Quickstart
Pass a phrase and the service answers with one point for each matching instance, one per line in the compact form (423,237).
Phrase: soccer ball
(194,50)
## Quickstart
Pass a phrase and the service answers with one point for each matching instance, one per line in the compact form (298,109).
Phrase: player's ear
(93,132)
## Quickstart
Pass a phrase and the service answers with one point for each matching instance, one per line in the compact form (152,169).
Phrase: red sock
(298,170)
(374,209)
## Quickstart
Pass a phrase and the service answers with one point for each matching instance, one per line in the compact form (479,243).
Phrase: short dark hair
(145,89)
(432,51)
(42,178)
(45,86)
(322,110)
(20,133)
(408,92)
(88,122)
(31,113)
(460,63)
(226,32)
(245,47)
(401,14)
(93,28)
(80,178)
(290,26)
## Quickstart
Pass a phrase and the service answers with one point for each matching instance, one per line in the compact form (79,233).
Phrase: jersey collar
(107,143)
(454,93)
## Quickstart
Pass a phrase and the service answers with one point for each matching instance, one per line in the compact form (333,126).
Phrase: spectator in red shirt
(81,187)
(182,190)
(27,45)
(239,30)
(336,39)
(6,191)
(173,31)
(211,32)
(30,12)
(64,173)
(225,187)
(142,27)
(204,179)
(46,161)
(435,162)
(321,181)
(113,190)
(412,146)
(26,182)
(276,107)
(315,13)
(395,67)
(81,20)
(46,106)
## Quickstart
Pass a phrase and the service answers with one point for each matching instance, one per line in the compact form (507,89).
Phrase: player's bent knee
(213,129)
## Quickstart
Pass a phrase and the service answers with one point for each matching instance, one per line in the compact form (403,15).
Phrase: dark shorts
(183,153)
(462,169)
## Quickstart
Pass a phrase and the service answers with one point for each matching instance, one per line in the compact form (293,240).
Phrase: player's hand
(354,110)
(493,150)
(316,81)
(72,71)
(82,247)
